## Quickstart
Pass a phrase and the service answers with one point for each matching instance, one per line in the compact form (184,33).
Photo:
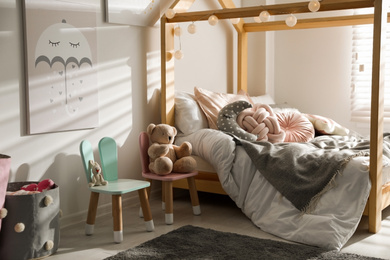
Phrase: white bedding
(330,225)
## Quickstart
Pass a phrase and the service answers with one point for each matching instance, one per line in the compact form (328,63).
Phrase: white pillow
(188,115)
(263,99)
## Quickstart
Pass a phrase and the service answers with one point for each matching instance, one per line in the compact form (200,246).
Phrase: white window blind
(362,74)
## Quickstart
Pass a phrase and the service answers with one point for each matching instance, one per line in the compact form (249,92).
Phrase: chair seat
(169,177)
(121,186)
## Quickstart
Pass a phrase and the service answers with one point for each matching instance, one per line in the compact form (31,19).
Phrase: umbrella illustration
(64,47)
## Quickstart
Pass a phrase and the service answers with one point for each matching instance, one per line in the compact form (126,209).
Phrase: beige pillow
(188,115)
(212,102)
(326,126)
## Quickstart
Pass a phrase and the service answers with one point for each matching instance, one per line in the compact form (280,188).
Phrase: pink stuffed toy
(44,185)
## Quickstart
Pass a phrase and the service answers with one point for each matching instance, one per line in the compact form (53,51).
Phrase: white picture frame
(61,66)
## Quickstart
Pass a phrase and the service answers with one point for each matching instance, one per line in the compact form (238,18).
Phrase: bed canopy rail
(379,196)
(277,9)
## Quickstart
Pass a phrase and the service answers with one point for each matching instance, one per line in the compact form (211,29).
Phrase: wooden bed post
(376,132)
(242,66)
(167,75)
(167,63)
(163,70)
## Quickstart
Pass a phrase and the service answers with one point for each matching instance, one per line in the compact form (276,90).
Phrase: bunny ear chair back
(115,187)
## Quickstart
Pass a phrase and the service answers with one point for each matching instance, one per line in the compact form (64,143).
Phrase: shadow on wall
(22,173)
(68,173)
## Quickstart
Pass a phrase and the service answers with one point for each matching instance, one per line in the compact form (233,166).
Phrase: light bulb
(264,16)
(235,20)
(169,55)
(191,28)
(291,20)
(170,13)
(257,19)
(314,6)
(179,55)
(213,20)
(178,31)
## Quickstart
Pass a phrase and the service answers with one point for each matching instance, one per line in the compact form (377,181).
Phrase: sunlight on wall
(153,67)
(115,98)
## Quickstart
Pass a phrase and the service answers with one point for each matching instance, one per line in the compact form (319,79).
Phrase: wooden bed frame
(380,195)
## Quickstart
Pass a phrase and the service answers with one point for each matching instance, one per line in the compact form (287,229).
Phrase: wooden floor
(218,212)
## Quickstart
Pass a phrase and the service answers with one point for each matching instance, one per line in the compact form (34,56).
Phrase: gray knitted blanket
(302,172)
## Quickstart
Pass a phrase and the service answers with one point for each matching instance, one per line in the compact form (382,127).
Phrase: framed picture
(136,12)
(61,65)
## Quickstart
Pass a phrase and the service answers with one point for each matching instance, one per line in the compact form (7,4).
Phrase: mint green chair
(115,187)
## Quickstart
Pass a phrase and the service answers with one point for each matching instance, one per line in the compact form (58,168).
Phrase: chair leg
(163,196)
(93,203)
(147,213)
(148,190)
(168,202)
(194,196)
(117,217)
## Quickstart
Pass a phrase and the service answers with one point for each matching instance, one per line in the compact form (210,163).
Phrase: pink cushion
(296,126)
(212,102)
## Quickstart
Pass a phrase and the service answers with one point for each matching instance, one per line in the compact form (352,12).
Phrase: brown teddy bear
(165,157)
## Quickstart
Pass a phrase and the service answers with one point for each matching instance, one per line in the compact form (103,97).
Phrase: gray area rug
(190,242)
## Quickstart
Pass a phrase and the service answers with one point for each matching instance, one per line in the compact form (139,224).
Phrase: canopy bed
(379,191)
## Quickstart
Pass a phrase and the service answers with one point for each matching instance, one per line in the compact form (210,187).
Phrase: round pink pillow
(296,126)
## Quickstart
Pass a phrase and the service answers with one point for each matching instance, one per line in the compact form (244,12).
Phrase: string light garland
(178,31)
(170,13)
(264,16)
(178,54)
(213,20)
(314,6)
(291,20)
(169,55)
(191,28)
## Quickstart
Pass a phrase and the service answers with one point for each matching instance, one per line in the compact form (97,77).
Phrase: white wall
(209,54)
(313,71)
(128,82)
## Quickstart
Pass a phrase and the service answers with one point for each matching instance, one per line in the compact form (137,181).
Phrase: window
(361,74)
